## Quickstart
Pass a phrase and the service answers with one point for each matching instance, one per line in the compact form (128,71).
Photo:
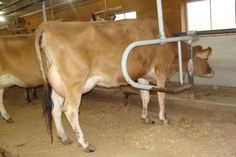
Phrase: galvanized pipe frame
(44,11)
(146,43)
(161,41)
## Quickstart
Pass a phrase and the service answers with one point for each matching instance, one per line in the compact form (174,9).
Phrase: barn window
(2,19)
(127,15)
(211,14)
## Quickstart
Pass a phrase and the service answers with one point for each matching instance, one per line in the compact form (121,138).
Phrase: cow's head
(200,61)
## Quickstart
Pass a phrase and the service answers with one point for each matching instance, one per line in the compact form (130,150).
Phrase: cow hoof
(164,121)
(66,141)
(90,149)
(10,120)
(148,121)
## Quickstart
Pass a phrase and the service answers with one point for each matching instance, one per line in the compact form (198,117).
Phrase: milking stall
(118,78)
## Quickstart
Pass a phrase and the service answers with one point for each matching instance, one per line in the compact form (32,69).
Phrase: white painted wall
(222,60)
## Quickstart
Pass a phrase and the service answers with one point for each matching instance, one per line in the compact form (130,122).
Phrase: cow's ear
(205,53)
(197,48)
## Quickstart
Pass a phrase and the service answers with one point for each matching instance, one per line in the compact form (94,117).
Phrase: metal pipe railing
(143,43)
(44,11)
(161,41)
(180,63)
(160,19)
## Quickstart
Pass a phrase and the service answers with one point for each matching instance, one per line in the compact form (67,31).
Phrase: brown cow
(81,55)
(18,65)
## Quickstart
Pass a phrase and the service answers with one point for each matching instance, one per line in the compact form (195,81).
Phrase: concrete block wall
(222,60)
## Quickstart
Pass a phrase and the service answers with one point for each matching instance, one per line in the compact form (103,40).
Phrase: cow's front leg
(145,96)
(161,99)
(3,111)
(161,81)
(27,95)
(71,112)
(56,112)
(34,95)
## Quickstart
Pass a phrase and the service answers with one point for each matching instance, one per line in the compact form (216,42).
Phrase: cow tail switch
(47,110)
(48,104)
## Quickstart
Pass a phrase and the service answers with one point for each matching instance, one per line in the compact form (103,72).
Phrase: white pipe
(160,19)
(180,63)
(44,11)
(127,51)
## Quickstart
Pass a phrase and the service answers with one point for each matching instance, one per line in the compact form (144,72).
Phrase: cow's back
(18,61)
(100,46)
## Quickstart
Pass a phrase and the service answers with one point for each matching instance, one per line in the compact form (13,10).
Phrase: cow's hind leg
(71,112)
(161,99)
(145,96)
(56,112)
(27,95)
(3,111)
(30,97)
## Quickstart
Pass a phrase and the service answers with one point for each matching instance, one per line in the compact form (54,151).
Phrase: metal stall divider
(44,11)
(161,41)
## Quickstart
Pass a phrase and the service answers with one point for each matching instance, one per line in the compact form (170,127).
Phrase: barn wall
(222,59)
(144,9)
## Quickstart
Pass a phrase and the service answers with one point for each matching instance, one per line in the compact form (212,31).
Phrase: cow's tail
(48,104)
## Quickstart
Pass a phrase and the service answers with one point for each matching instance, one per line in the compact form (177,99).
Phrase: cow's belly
(8,80)
(103,81)
(99,80)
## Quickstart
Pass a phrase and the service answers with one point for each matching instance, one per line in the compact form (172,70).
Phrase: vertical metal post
(44,11)
(190,70)
(160,19)
(210,14)
(180,63)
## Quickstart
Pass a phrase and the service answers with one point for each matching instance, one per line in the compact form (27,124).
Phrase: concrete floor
(201,127)
(209,97)
(206,97)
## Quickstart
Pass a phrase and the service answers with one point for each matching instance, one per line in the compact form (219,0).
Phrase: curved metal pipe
(132,45)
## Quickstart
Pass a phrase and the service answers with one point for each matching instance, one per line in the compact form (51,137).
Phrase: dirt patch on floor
(117,131)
